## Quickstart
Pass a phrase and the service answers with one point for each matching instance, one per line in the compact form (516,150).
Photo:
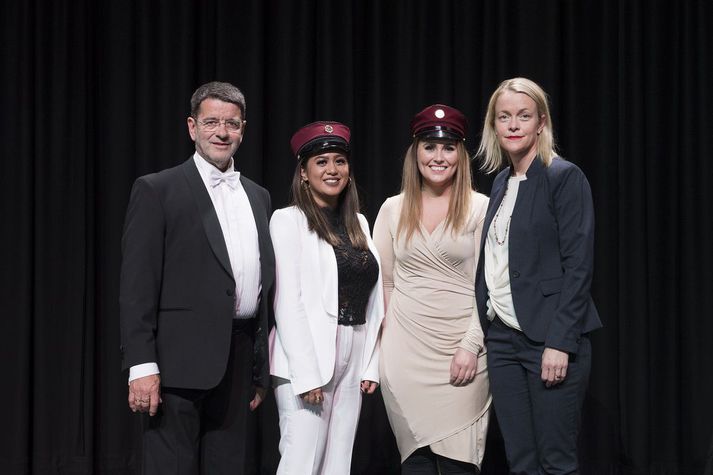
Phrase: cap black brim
(439,133)
(322,145)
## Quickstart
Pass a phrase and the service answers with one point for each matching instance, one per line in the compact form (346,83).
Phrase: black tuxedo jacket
(551,253)
(177,289)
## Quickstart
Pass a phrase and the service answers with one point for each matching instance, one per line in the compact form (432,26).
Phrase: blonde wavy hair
(412,182)
(492,156)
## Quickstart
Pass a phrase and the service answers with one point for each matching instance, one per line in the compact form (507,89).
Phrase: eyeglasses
(211,125)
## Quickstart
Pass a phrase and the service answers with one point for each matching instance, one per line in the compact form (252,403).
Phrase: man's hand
(259,397)
(554,366)
(145,394)
(464,365)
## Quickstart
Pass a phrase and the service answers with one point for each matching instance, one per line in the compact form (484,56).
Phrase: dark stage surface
(95,94)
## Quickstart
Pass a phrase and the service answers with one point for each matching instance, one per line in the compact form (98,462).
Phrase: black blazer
(551,247)
(177,290)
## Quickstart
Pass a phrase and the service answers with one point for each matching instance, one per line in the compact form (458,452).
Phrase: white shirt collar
(205,167)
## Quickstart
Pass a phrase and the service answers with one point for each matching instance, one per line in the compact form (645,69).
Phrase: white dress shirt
(237,222)
(239,231)
(497,262)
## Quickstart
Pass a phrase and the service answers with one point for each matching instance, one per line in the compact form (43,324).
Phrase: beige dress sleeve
(383,240)
(472,341)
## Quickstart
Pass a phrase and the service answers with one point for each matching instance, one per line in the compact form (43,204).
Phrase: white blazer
(303,343)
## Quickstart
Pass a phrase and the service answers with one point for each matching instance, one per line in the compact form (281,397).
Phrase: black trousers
(207,431)
(424,462)
(540,425)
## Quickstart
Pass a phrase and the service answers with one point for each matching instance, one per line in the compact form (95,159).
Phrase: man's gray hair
(223,91)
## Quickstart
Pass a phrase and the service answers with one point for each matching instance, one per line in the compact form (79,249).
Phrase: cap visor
(322,145)
(441,134)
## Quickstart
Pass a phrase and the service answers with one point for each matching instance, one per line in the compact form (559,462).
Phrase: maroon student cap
(439,122)
(319,137)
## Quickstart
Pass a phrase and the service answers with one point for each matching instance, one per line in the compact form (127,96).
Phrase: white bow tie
(231,178)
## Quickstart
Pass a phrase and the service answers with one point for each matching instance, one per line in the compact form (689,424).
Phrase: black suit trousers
(539,424)
(207,431)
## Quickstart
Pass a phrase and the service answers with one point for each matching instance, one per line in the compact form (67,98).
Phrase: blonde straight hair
(412,182)
(492,156)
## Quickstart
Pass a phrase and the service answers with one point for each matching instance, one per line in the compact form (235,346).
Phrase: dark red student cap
(439,121)
(318,137)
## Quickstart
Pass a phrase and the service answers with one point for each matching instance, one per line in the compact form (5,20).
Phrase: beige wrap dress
(431,314)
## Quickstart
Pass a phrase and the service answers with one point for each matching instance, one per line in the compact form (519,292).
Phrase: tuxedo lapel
(207,214)
(258,209)
(260,214)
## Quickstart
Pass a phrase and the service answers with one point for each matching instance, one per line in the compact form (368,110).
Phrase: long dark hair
(347,207)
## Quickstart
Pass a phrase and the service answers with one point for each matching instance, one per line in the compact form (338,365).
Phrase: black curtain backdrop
(94,93)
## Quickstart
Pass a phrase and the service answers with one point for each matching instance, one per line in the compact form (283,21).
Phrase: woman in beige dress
(433,366)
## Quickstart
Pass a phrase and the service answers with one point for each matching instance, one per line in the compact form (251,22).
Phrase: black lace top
(357,272)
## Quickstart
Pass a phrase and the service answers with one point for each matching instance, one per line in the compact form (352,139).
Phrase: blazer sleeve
(142,246)
(374,317)
(290,313)
(574,211)
(261,367)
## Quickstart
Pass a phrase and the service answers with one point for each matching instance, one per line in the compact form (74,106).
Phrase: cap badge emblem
(439,113)
(328,128)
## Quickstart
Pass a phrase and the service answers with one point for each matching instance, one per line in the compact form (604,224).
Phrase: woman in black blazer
(533,282)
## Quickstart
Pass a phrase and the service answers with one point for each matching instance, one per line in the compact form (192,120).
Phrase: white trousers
(319,438)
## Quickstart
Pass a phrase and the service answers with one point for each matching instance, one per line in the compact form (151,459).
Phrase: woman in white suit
(328,307)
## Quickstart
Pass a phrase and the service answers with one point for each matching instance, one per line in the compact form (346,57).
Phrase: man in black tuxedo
(196,275)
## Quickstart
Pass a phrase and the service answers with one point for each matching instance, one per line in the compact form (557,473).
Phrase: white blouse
(497,264)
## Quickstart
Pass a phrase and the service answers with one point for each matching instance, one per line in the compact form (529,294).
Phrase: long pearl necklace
(497,215)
